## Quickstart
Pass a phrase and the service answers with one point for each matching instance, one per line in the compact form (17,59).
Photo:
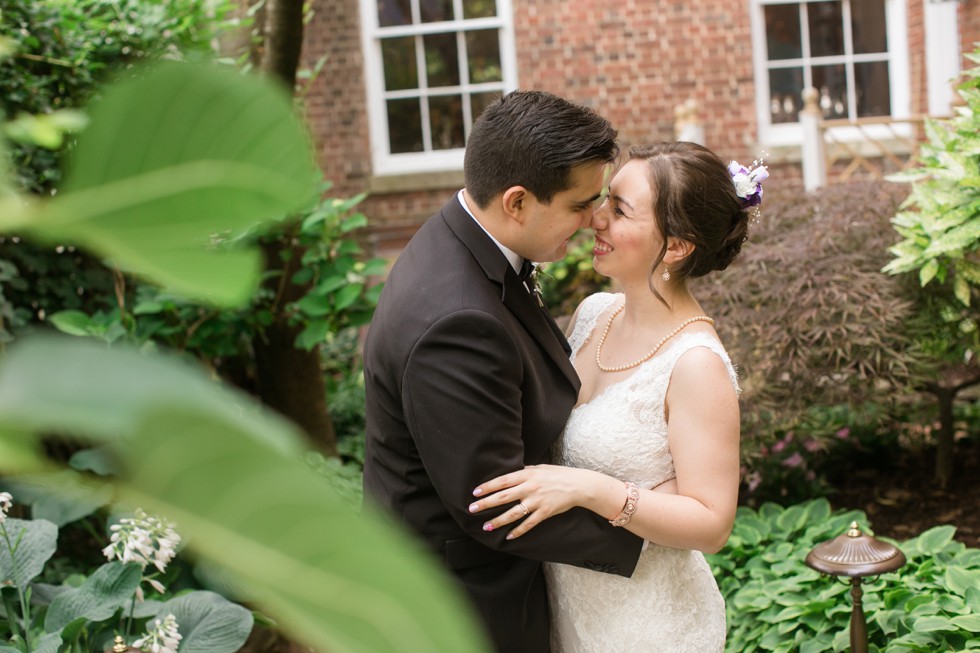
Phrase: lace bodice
(622,430)
(671,603)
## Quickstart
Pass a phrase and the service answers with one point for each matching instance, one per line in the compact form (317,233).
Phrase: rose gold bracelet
(632,498)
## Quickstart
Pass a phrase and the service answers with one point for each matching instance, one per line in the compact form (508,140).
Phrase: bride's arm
(703,436)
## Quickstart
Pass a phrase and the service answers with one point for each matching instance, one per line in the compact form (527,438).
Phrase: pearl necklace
(620,368)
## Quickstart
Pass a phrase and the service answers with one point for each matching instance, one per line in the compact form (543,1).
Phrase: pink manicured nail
(477,492)
(474,507)
(488,527)
(510,536)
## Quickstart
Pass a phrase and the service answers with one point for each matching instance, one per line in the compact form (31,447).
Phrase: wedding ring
(524,508)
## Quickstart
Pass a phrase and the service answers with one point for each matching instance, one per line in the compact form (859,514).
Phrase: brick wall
(633,61)
(917,56)
(969,19)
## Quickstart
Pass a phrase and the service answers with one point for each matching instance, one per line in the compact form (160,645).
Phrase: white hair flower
(162,636)
(143,539)
(748,181)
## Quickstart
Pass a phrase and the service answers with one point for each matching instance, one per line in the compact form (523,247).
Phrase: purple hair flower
(748,182)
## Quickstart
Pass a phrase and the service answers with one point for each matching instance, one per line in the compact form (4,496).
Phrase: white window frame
(383,161)
(787,134)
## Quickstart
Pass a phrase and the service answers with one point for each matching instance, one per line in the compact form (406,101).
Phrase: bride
(652,444)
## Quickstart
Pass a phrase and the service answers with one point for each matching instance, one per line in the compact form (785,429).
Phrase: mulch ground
(904,500)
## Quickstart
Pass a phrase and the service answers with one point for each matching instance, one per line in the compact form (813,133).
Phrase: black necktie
(526,269)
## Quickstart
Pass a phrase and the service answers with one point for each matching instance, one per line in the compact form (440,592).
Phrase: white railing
(837,150)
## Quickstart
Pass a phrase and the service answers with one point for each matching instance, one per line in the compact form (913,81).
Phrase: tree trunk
(950,382)
(289,380)
(944,440)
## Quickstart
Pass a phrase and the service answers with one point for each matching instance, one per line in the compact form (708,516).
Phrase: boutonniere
(534,284)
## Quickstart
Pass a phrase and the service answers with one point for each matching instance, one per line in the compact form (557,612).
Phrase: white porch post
(814,160)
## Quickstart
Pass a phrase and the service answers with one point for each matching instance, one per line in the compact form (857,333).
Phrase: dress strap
(688,341)
(588,313)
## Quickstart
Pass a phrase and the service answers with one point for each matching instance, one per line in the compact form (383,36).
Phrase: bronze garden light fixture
(855,555)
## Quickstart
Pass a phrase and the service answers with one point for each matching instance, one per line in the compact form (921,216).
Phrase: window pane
(398,55)
(394,12)
(479,8)
(434,11)
(483,50)
(871,82)
(405,126)
(480,101)
(441,60)
(785,91)
(446,116)
(783,32)
(832,86)
(868,26)
(826,28)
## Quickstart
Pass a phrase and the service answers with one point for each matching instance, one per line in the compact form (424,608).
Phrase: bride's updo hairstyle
(694,199)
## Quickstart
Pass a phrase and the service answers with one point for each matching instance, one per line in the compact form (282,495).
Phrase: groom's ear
(514,203)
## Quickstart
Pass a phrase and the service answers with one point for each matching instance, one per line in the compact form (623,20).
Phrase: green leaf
(41,389)
(347,296)
(932,624)
(935,539)
(60,497)
(209,623)
(173,157)
(74,323)
(928,271)
(961,288)
(960,580)
(314,333)
(110,587)
(49,643)
(217,467)
(34,543)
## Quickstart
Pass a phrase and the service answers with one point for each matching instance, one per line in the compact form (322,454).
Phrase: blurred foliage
(61,51)
(58,53)
(230,474)
(565,283)
(342,296)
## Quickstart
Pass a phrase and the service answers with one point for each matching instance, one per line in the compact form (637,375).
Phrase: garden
(181,398)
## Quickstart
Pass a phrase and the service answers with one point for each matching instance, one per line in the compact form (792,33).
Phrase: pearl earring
(666,275)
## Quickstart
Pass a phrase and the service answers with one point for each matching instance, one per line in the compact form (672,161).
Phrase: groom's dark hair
(533,139)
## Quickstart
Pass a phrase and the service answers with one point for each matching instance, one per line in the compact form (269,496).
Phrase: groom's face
(549,227)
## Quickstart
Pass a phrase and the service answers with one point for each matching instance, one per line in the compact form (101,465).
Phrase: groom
(468,377)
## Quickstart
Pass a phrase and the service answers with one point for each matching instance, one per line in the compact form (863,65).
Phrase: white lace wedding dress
(671,604)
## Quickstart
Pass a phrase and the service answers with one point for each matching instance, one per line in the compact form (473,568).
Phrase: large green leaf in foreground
(238,490)
(177,159)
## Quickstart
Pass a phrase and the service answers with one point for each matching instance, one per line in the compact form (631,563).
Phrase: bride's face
(627,240)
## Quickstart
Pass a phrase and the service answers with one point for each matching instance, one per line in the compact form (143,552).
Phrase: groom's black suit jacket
(468,378)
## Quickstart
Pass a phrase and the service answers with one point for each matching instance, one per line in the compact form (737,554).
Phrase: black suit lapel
(513,293)
(538,323)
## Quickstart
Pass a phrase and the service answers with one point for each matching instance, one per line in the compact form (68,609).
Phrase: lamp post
(855,555)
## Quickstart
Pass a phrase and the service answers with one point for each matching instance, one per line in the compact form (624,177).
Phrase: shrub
(776,603)
(806,313)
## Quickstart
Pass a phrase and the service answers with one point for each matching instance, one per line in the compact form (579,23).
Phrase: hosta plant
(88,613)
(776,603)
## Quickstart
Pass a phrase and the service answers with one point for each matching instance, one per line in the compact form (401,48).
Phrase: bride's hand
(543,490)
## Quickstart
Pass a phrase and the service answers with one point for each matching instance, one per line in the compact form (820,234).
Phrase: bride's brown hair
(694,199)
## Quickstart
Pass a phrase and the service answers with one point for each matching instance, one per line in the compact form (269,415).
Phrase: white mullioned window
(853,52)
(431,67)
